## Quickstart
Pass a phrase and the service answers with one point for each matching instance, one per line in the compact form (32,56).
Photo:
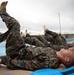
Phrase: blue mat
(48,71)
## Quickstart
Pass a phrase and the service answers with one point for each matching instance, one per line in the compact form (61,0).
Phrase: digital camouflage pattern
(55,38)
(49,39)
(32,58)
(22,57)
(33,41)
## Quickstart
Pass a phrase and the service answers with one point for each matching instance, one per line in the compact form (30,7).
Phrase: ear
(67,59)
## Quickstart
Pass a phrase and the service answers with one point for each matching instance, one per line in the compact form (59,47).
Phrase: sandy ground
(5,71)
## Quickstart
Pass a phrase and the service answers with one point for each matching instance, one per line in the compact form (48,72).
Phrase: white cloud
(33,14)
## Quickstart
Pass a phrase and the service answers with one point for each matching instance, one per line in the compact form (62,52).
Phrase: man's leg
(33,41)
(19,64)
(53,34)
(43,40)
(7,61)
(55,38)
(14,41)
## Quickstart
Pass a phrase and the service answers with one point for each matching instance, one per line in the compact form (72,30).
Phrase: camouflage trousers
(37,41)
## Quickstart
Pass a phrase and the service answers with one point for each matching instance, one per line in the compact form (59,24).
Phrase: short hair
(71,63)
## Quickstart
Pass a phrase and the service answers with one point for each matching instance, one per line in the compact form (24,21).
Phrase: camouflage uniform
(33,41)
(57,41)
(54,38)
(50,39)
(21,57)
(4,36)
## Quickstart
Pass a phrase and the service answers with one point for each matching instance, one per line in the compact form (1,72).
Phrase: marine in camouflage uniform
(19,56)
(54,40)
(49,39)
(50,36)
(57,41)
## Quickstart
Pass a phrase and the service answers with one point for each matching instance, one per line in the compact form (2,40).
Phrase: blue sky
(34,14)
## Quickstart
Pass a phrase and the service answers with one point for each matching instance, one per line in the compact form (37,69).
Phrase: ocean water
(3,47)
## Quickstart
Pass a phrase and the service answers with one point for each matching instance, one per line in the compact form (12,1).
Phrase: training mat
(49,71)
